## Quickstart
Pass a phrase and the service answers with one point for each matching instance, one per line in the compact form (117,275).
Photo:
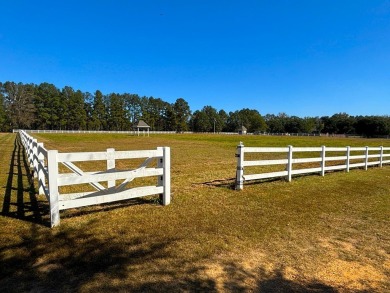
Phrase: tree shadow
(79,260)
(20,197)
(73,259)
(278,283)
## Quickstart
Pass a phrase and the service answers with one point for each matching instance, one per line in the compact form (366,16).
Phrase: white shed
(242,130)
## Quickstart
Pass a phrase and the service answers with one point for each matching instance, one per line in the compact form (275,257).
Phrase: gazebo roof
(141,124)
(242,128)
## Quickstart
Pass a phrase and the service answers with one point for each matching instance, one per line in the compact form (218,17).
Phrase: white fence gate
(45,164)
(344,158)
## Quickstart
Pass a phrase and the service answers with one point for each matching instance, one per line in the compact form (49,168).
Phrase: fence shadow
(20,197)
(228,183)
(81,211)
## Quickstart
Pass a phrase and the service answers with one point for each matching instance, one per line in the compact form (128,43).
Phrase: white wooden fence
(45,164)
(343,158)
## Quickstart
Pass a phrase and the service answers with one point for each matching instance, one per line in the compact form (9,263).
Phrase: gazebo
(141,125)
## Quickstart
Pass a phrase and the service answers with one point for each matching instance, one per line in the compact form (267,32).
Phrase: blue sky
(304,58)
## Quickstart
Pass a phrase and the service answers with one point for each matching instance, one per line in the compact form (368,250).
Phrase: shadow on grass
(278,283)
(230,183)
(77,212)
(20,199)
(76,260)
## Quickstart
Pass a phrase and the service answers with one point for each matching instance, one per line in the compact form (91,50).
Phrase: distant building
(242,130)
(141,125)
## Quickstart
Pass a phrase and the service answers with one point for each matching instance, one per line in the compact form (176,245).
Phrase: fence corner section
(240,167)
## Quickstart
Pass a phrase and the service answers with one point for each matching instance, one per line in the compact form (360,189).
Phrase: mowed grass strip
(324,234)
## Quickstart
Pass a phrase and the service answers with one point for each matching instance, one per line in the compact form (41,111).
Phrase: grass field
(314,234)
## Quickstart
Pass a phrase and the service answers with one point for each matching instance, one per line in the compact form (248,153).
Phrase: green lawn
(314,234)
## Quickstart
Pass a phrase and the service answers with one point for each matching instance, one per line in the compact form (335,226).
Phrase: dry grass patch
(314,234)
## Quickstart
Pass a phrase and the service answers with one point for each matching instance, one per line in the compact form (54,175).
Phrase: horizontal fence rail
(45,165)
(343,158)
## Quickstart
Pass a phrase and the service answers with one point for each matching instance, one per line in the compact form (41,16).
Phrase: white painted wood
(102,156)
(323,162)
(78,172)
(381,157)
(375,149)
(289,162)
(42,150)
(110,166)
(138,154)
(53,188)
(167,176)
(84,156)
(307,149)
(160,181)
(123,185)
(35,157)
(266,150)
(92,199)
(349,153)
(72,179)
(355,149)
(265,175)
(264,162)
(240,165)
(41,170)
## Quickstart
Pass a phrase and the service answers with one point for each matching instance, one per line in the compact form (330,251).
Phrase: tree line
(44,106)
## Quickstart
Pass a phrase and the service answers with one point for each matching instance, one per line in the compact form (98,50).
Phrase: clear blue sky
(304,57)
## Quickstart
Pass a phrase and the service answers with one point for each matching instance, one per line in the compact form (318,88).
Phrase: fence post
(348,157)
(35,157)
(323,156)
(366,159)
(166,200)
(41,166)
(110,165)
(289,162)
(53,187)
(240,167)
(160,179)
(381,158)
(30,152)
